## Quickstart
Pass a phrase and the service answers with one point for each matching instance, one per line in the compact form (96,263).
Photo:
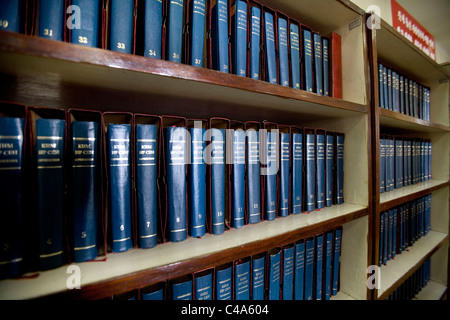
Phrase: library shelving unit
(40,72)
(389,46)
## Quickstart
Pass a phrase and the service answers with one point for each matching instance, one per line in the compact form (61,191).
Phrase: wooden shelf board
(138,268)
(396,120)
(432,291)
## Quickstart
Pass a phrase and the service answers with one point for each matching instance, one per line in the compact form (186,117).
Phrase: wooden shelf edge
(409,122)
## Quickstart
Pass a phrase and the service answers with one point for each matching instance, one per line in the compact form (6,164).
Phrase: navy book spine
(401,92)
(285,148)
(258,277)
(197,184)
(146,184)
(386,236)
(381,241)
(120,186)
(121,37)
(255,39)
(336,260)
(182,290)
(253,177)
(307,60)
(309,269)
(318,67)
(238,179)
(176,182)
(204,287)
(395,95)
(242,281)
(299,276)
(50,136)
(10,15)
(288,272)
(340,169)
(320,175)
(297,172)
(310,172)
(271,176)
(239,37)
(327,267)
(398,163)
(329,170)
(87,34)
(153,28)
(326,83)
(391,164)
(219,21)
(385,88)
(394,232)
(380,86)
(157,294)
(85,198)
(11,184)
(51,19)
(274,275)
(224,283)
(382,165)
(318,267)
(218,180)
(175,30)
(283,56)
(269,45)
(198,18)
(390,89)
(294,37)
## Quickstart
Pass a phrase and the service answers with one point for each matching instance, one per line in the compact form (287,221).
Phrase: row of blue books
(305,270)
(402,226)
(404,161)
(402,94)
(414,284)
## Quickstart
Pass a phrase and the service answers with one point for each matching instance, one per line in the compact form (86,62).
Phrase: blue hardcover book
(87,34)
(405,163)
(85,184)
(121,30)
(294,37)
(398,163)
(390,234)
(153,28)
(146,184)
(198,14)
(10,12)
(258,277)
(197,184)
(340,169)
(182,290)
(326,83)
(297,172)
(176,182)
(400,230)
(269,46)
(242,281)
(219,34)
(430,149)
(274,275)
(319,265)
(310,172)
(51,19)
(50,137)
(154,294)
(401,92)
(394,232)
(380,86)
(391,164)
(120,186)
(271,176)
(327,266)
(288,272)
(218,180)
(299,276)
(406,89)
(255,39)
(239,37)
(318,67)
(385,88)
(204,286)
(238,179)
(11,179)
(382,165)
(285,148)
(336,259)
(309,269)
(386,237)
(329,170)
(307,60)
(395,94)
(283,57)
(175,30)
(320,167)
(381,241)
(390,90)
(387,167)
(253,177)
(224,283)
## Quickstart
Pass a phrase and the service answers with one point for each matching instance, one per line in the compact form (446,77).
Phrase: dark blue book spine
(400,230)
(326,83)
(271,176)
(319,265)
(297,172)
(386,234)
(284,173)
(255,39)
(11,177)
(153,29)
(385,88)
(253,177)
(120,186)
(309,269)
(307,56)
(336,260)
(218,180)
(380,86)
(430,149)
(224,284)
(381,242)
(242,281)
(50,135)
(51,19)
(85,183)
(269,45)
(391,164)
(176,182)
(327,267)
(288,273)
(395,94)
(387,168)
(146,184)
(182,290)
(220,35)
(197,184)
(329,170)
(382,165)
(175,30)
(204,287)
(310,172)
(401,92)
(390,233)
(198,14)
(10,15)
(87,34)
(390,89)
(394,233)
(238,178)
(283,57)
(239,37)
(398,163)
(121,37)
(295,55)
(340,169)
(299,276)
(318,63)
(258,277)
(274,275)
(320,175)
(154,295)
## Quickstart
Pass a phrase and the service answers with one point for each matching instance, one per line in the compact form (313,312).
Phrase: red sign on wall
(404,23)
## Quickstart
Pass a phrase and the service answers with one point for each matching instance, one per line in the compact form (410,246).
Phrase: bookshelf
(389,46)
